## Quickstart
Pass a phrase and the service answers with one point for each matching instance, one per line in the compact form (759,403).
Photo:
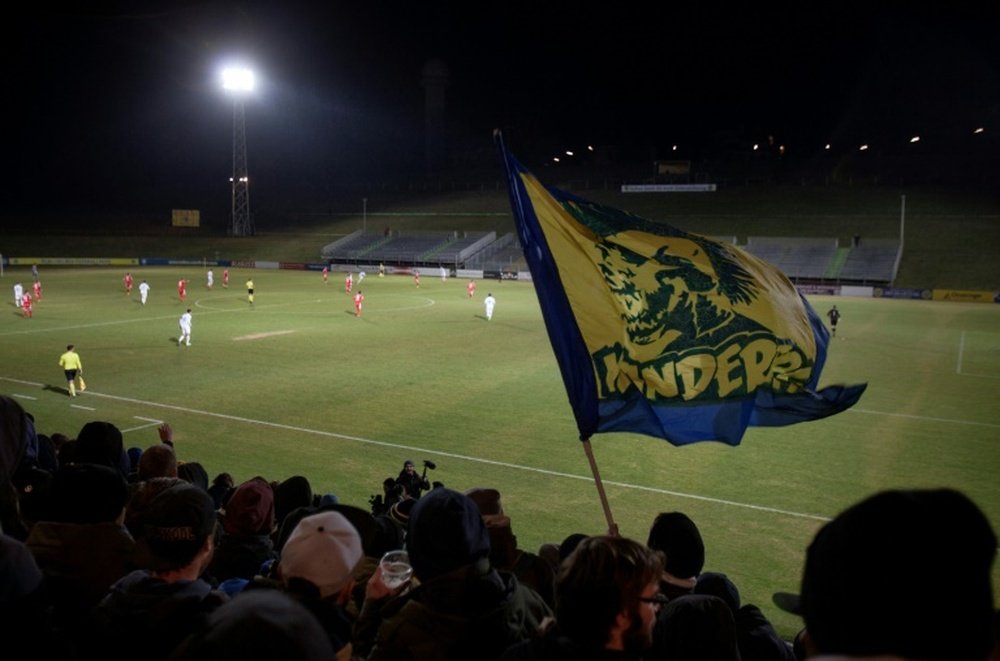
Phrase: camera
(429,464)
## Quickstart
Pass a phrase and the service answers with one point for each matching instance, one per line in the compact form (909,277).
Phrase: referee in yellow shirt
(70,362)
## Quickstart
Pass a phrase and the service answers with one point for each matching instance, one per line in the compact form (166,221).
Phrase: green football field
(296,384)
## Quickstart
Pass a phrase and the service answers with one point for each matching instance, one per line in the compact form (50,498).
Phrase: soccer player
(26,305)
(182,289)
(210,278)
(359,298)
(349,283)
(834,315)
(34,272)
(250,290)
(18,293)
(444,274)
(381,270)
(416,278)
(72,367)
(128,282)
(471,288)
(488,303)
(361,277)
(326,275)
(185,324)
(225,279)
(37,286)
(143,291)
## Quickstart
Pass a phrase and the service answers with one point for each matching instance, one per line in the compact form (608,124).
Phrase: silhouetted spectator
(695,627)
(101,443)
(462,607)
(247,525)
(902,574)
(529,569)
(261,624)
(193,472)
(221,488)
(82,545)
(755,635)
(678,538)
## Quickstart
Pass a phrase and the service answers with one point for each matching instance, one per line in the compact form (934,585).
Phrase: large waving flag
(666,333)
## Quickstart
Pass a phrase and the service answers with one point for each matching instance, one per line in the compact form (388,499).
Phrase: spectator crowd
(113,552)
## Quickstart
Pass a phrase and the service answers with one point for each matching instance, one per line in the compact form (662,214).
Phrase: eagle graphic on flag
(667,333)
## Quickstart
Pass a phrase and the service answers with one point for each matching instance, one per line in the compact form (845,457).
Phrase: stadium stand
(797,257)
(872,261)
(413,248)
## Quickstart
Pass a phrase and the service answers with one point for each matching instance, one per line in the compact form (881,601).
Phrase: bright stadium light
(239,82)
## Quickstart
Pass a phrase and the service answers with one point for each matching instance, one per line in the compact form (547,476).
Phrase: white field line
(489,462)
(85,408)
(961,353)
(146,426)
(20,396)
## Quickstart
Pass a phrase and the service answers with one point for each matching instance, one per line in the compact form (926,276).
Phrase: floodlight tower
(239,83)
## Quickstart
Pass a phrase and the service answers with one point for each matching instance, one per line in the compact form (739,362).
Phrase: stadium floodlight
(239,82)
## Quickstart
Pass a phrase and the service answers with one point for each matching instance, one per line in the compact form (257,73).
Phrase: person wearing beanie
(101,443)
(461,607)
(247,524)
(677,537)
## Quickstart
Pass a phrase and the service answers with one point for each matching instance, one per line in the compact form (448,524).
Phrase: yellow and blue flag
(662,332)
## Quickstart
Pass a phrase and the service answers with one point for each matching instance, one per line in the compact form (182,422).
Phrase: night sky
(120,108)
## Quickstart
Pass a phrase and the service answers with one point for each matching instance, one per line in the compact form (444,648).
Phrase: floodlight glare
(237,80)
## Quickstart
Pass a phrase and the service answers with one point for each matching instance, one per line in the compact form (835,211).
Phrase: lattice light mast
(239,83)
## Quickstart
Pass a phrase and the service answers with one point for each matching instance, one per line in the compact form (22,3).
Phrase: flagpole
(612,526)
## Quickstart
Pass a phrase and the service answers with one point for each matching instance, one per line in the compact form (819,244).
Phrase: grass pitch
(297,385)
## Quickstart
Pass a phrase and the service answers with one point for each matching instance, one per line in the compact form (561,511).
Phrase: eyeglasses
(658,600)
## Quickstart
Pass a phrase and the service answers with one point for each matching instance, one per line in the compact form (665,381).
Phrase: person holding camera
(412,483)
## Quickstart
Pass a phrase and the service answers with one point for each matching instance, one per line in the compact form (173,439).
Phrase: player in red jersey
(416,278)
(471,288)
(225,279)
(349,283)
(182,289)
(359,298)
(326,275)
(26,304)
(38,290)
(128,282)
